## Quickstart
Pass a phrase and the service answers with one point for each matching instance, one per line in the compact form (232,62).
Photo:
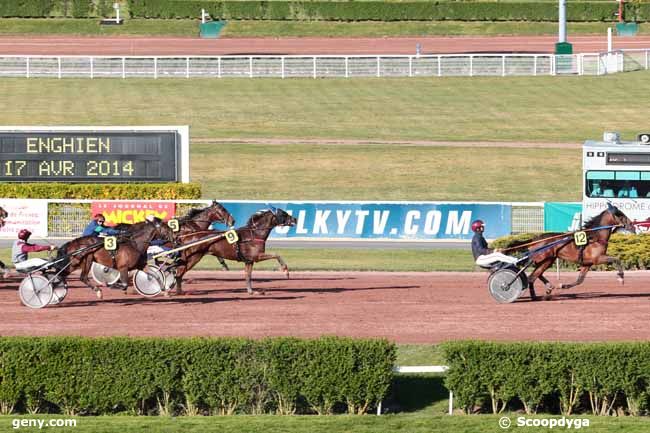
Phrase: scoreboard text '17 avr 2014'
(94,154)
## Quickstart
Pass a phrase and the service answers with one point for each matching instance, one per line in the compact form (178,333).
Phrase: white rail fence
(443,65)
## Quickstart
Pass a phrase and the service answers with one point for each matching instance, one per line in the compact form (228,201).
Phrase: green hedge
(56,8)
(112,191)
(376,10)
(633,250)
(76,375)
(601,379)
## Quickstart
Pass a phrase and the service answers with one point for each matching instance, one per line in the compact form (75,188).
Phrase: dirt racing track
(403,307)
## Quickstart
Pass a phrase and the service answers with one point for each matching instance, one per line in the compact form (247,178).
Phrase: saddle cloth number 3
(231,236)
(580,238)
(110,243)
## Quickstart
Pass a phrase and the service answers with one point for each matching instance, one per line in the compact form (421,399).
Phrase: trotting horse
(249,248)
(131,252)
(594,252)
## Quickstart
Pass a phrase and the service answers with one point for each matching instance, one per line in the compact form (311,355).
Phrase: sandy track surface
(149,46)
(403,307)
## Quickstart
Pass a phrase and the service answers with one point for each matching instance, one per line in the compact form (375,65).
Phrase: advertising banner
(24,214)
(131,212)
(562,217)
(390,220)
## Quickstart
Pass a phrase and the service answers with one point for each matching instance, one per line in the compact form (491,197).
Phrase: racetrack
(166,46)
(403,307)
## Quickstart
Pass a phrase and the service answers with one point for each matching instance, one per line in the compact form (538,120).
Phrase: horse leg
(609,260)
(581,278)
(537,273)
(248,270)
(85,270)
(124,281)
(283,265)
(222,262)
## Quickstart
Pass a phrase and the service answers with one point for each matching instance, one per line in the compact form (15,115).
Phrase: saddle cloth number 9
(173,224)
(580,238)
(110,243)
(231,236)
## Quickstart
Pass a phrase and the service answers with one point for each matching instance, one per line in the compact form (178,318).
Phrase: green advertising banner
(562,217)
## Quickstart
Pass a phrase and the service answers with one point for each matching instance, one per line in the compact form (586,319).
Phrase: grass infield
(243,29)
(412,423)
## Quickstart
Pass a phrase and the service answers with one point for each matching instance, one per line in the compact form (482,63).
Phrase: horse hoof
(99,294)
(621,280)
(534,298)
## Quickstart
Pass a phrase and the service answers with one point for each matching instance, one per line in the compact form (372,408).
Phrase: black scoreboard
(85,155)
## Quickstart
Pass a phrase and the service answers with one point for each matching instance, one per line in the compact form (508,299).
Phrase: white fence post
(471,65)
(219,67)
(347,70)
(155,68)
(282,58)
(378,69)
(535,66)
(503,65)
(410,66)
(187,67)
(27,68)
(439,66)
(59,72)
(646,59)
(250,66)
(314,68)
(92,67)
(451,402)
(123,68)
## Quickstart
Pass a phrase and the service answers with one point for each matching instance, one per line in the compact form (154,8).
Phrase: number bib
(231,236)
(110,243)
(580,238)
(173,224)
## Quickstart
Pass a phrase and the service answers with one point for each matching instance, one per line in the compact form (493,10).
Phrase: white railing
(442,65)
(276,66)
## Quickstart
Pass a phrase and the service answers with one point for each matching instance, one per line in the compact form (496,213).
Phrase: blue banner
(363,220)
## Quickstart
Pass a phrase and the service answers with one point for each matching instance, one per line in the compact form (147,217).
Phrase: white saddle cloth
(487,260)
(29,264)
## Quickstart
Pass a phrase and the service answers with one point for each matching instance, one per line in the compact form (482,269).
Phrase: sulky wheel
(35,291)
(149,282)
(104,275)
(59,291)
(505,286)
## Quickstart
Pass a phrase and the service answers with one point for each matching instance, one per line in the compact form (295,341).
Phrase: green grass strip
(412,423)
(244,29)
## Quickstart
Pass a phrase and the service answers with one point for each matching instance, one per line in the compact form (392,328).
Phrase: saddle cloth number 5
(580,238)
(110,243)
(231,236)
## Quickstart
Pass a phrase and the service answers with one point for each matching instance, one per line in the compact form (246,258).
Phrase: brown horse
(131,252)
(250,247)
(594,252)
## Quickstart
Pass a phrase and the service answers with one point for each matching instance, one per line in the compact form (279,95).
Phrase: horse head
(159,230)
(283,218)
(620,219)
(218,213)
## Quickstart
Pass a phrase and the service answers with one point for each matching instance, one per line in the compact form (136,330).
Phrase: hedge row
(193,376)
(113,191)
(58,8)
(602,379)
(378,10)
(633,250)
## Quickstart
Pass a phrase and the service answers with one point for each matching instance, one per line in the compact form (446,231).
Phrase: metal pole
(562,21)
(451,402)
(609,39)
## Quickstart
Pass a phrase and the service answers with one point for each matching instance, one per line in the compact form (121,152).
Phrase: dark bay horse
(250,248)
(594,252)
(131,252)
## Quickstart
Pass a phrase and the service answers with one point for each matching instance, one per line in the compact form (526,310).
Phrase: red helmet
(477,225)
(24,234)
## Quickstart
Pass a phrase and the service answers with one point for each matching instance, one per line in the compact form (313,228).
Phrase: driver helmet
(476,225)
(100,217)
(24,234)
